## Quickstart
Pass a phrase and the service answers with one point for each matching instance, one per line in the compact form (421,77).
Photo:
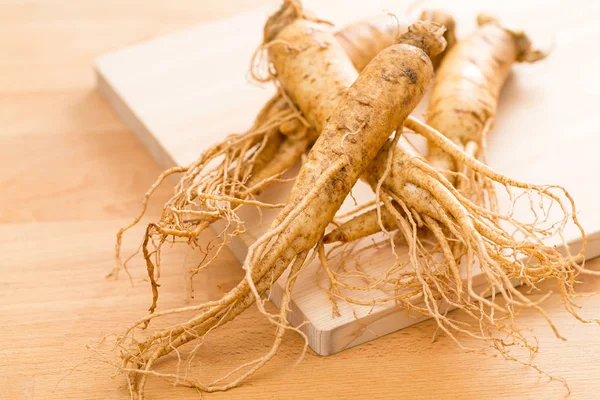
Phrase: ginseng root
(465,95)
(377,103)
(462,106)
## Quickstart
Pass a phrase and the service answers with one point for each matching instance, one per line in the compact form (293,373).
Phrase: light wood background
(71,174)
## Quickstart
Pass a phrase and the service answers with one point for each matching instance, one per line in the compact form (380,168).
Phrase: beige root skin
(465,93)
(365,224)
(306,63)
(378,103)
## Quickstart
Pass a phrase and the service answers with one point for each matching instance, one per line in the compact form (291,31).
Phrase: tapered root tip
(525,50)
(290,11)
(426,35)
(445,19)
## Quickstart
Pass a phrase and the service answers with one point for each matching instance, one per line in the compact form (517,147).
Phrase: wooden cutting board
(183,92)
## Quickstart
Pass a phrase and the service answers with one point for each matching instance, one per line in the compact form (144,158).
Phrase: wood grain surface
(71,174)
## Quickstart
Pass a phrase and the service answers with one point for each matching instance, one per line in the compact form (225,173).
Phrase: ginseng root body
(467,86)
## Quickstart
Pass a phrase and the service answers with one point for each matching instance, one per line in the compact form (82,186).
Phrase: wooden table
(71,174)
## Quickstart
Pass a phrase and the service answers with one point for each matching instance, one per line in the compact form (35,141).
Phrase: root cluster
(453,246)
